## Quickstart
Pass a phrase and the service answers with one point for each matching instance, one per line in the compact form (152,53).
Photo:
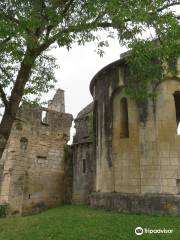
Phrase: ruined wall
(57,103)
(102,86)
(161,204)
(33,163)
(83,158)
(68,173)
(125,148)
(137,145)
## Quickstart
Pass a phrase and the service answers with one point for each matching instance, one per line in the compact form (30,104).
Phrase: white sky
(77,68)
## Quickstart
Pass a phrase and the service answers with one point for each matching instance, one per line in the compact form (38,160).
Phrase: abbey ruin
(137,147)
(125,155)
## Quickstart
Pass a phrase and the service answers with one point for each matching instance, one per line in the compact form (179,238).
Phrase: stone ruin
(136,144)
(32,175)
(125,156)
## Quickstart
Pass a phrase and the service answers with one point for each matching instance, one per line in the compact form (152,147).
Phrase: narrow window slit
(177,107)
(124,121)
(84,165)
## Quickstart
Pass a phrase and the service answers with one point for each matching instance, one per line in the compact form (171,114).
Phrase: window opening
(177,107)
(124,122)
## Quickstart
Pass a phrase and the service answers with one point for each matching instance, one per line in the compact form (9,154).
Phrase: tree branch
(17,22)
(48,30)
(6,73)
(9,17)
(4,41)
(64,12)
(3,96)
(77,28)
(67,6)
(168,6)
(71,29)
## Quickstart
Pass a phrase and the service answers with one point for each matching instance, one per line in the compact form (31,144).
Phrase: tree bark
(15,98)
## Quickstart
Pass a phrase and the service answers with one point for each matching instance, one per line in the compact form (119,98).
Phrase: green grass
(84,223)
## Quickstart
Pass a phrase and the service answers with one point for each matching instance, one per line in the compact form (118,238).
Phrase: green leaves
(36,25)
(42,78)
(148,64)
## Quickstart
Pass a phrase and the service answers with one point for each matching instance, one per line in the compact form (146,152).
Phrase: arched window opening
(23,143)
(177,107)
(124,122)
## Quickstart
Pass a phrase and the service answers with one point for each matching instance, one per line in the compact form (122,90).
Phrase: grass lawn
(84,223)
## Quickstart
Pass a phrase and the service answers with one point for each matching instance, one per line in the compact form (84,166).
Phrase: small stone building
(83,158)
(137,146)
(33,163)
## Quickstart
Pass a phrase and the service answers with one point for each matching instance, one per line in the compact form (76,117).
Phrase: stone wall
(137,203)
(57,103)
(33,162)
(137,146)
(83,158)
(68,174)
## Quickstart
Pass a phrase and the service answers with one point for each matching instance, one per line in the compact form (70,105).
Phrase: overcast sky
(80,64)
(77,68)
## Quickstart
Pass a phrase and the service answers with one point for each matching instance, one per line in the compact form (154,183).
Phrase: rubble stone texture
(57,103)
(83,158)
(33,163)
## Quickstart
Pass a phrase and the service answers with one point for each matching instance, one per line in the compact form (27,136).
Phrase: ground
(68,222)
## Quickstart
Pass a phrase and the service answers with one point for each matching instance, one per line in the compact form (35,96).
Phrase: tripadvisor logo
(139,231)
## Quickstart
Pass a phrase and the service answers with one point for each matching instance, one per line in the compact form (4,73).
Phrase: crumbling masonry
(33,163)
(83,157)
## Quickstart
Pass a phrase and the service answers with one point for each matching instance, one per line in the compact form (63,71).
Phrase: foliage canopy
(37,24)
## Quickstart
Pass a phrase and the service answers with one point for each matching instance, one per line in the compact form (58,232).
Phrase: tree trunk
(15,98)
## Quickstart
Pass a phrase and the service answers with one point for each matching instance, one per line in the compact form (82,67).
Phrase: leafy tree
(28,28)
